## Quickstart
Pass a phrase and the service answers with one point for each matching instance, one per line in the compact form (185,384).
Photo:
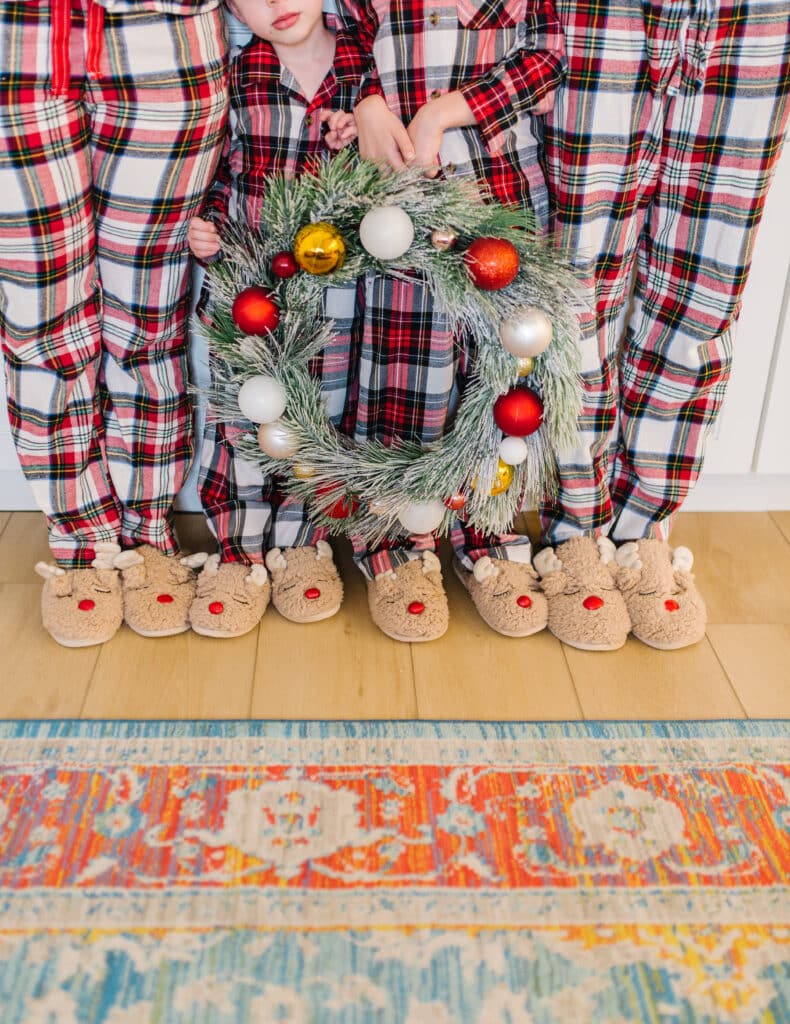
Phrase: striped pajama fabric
(96,189)
(660,150)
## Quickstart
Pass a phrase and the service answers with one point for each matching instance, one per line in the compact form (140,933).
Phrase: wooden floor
(345,668)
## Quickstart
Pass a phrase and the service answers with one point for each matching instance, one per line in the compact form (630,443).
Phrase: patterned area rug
(394,873)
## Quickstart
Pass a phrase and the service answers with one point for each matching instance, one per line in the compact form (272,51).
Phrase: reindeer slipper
(306,586)
(666,609)
(585,608)
(409,603)
(157,591)
(506,594)
(231,596)
(82,607)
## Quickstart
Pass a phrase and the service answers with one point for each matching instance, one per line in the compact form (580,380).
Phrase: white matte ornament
(513,450)
(422,516)
(526,332)
(262,399)
(276,440)
(386,232)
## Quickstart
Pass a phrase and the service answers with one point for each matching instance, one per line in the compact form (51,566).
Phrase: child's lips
(285,21)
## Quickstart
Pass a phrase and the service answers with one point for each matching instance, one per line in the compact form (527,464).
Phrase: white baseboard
(743,492)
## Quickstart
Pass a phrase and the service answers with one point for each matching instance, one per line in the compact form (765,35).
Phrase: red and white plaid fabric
(96,190)
(660,150)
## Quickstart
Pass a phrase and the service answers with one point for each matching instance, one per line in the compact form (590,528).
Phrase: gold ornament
(502,480)
(526,364)
(302,472)
(319,248)
(443,239)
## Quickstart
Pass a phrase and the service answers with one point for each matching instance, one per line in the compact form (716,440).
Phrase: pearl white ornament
(513,450)
(276,440)
(386,232)
(377,508)
(526,332)
(422,516)
(262,399)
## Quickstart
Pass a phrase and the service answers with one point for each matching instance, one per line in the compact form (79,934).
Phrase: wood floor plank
(474,673)
(638,682)
(23,542)
(40,678)
(741,564)
(340,668)
(184,676)
(5,518)
(782,520)
(756,658)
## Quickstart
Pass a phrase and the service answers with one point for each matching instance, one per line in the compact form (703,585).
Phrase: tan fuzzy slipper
(157,591)
(82,607)
(666,609)
(231,597)
(585,608)
(409,603)
(506,594)
(306,586)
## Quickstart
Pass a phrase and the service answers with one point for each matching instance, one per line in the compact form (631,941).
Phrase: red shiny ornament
(524,601)
(164,598)
(254,311)
(492,263)
(86,605)
(593,603)
(455,501)
(518,412)
(671,606)
(416,608)
(340,508)
(216,607)
(312,593)
(284,264)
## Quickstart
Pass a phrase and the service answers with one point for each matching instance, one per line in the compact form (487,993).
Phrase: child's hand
(382,136)
(203,238)
(425,132)
(341,128)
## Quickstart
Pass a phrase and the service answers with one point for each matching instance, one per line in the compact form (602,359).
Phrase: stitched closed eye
(240,600)
(101,590)
(648,593)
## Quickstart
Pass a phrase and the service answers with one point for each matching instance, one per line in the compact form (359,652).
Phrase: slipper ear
(61,580)
(682,561)
(553,578)
(323,550)
(132,566)
(257,576)
(628,565)
(485,569)
(431,563)
(275,560)
(608,555)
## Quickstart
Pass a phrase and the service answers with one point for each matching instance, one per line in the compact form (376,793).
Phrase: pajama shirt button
(308,120)
(436,94)
(433,18)
(449,168)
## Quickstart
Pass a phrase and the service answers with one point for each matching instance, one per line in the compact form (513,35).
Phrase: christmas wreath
(504,289)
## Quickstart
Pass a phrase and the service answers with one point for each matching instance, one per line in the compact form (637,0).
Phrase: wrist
(369,102)
(451,111)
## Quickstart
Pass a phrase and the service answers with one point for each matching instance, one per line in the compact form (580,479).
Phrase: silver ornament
(526,332)
(276,440)
(443,239)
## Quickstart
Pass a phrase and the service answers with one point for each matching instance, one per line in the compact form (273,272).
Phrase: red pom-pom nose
(524,601)
(312,593)
(86,605)
(671,606)
(416,608)
(164,598)
(593,603)
(216,607)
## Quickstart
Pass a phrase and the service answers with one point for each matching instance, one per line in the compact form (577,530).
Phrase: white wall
(748,461)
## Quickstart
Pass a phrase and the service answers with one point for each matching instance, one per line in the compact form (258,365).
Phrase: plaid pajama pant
(96,189)
(660,150)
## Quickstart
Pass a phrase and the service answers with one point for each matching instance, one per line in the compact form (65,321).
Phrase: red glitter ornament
(339,508)
(284,264)
(254,311)
(492,263)
(518,412)
(456,501)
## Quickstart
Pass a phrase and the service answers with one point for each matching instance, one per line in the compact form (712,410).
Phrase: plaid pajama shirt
(507,57)
(100,173)
(273,129)
(660,150)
